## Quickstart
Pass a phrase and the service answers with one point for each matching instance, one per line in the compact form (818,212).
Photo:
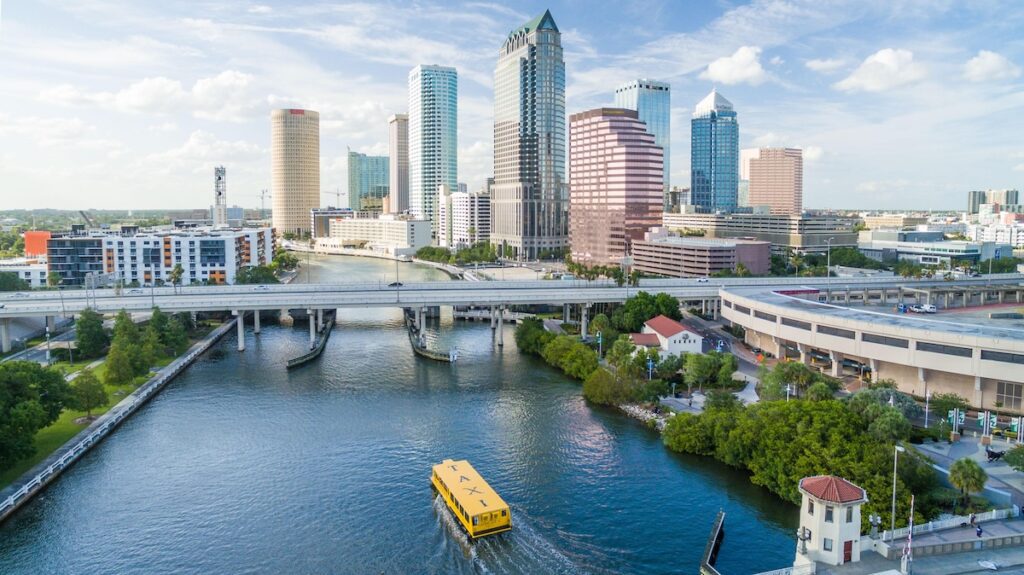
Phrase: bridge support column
(565,313)
(5,335)
(240,323)
(312,328)
(319,319)
(256,321)
(51,324)
(494,318)
(803,352)
(337,316)
(285,318)
(584,323)
(501,331)
(837,363)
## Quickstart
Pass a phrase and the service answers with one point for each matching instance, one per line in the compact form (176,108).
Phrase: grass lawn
(66,368)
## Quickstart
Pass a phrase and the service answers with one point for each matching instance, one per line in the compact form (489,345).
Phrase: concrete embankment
(37,478)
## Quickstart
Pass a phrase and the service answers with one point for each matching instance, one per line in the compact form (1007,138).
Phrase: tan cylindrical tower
(295,167)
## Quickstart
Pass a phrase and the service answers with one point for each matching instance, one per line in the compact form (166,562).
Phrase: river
(240,466)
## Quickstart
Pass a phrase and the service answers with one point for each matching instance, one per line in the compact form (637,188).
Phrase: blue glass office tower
(652,101)
(714,155)
(368,181)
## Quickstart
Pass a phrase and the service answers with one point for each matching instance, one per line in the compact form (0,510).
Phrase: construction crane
(85,217)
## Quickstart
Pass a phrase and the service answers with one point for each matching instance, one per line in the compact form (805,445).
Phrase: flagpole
(908,550)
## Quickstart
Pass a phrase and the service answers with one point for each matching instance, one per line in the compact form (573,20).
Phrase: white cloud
(225,97)
(201,151)
(744,66)
(988,66)
(260,9)
(825,65)
(776,61)
(883,70)
(813,153)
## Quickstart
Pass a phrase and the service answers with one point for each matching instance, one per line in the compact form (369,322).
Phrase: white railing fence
(952,522)
(805,569)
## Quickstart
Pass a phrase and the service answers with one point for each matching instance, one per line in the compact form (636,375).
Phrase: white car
(134,291)
(702,280)
(261,287)
(917,309)
(19,295)
(928,308)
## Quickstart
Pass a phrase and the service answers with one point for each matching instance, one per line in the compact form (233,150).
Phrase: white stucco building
(389,233)
(829,520)
(668,336)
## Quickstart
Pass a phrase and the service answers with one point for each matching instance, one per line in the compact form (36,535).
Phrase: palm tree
(175,276)
(967,476)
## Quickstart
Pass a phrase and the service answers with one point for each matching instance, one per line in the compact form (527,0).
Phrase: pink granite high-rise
(616,184)
(777,180)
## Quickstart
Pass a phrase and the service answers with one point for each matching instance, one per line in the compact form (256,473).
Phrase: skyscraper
(530,207)
(220,197)
(652,101)
(777,180)
(714,155)
(295,168)
(433,140)
(615,191)
(398,158)
(743,197)
(367,181)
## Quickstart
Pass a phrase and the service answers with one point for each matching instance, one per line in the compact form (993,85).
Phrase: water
(240,466)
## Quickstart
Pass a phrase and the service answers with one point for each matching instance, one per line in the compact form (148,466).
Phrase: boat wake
(522,550)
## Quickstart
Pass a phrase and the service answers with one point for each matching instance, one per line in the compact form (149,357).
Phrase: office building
(743,189)
(663,254)
(529,201)
(220,197)
(777,180)
(802,234)
(398,163)
(320,219)
(898,221)
(714,155)
(295,168)
(616,192)
(211,255)
(652,101)
(390,234)
(464,219)
(976,198)
(927,248)
(433,137)
(678,198)
(368,182)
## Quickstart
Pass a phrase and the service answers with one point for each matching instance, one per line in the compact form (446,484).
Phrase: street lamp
(895,460)
(47,341)
(927,400)
(828,260)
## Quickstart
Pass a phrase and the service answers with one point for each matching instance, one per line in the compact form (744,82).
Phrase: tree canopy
(31,397)
(90,337)
(9,281)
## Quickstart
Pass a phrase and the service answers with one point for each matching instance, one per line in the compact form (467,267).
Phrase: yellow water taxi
(478,508)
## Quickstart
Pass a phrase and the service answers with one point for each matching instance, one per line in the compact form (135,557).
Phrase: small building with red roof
(829,520)
(672,337)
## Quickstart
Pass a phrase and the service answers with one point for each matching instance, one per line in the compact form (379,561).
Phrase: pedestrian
(977,531)
(973,519)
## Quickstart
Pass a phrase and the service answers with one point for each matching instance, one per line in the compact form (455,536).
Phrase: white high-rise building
(220,197)
(398,159)
(464,219)
(433,137)
(295,168)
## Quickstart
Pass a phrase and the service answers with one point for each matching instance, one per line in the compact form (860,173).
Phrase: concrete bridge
(494,294)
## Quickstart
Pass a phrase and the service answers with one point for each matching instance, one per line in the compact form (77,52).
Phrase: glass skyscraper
(433,137)
(652,101)
(714,155)
(368,181)
(530,199)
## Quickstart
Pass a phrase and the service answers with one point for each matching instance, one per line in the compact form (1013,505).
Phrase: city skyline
(873,94)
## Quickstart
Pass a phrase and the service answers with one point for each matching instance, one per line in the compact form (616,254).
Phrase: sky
(113,105)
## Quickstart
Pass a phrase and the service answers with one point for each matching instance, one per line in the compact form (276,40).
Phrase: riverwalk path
(1007,559)
(1000,475)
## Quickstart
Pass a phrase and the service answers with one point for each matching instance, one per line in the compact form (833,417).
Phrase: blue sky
(107,104)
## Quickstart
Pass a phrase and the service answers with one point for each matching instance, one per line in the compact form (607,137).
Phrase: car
(20,294)
(135,291)
(261,288)
(916,309)
(3,305)
(756,350)
(702,280)
(395,284)
(929,308)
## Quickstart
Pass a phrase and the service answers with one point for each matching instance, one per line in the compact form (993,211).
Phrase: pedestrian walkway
(1008,559)
(1001,476)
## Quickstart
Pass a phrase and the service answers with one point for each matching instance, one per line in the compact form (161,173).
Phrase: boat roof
(466,485)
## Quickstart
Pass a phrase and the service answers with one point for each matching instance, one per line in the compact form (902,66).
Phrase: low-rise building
(32,270)
(927,248)
(1012,234)
(679,257)
(669,337)
(829,521)
(898,221)
(389,233)
(320,219)
(800,233)
(144,258)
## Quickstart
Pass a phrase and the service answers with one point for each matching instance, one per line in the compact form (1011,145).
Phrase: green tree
(620,354)
(967,476)
(890,426)
(152,349)
(177,337)
(125,329)
(90,337)
(31,397)
(159,322)
(819,392)
(557,348)
(942,403)
(531,337)
(54,279)
(9,281)
(120,367)
(285,260)
(579,362)
(1015,458)
(256,275)
(701,369)
(89,392)
(177,272)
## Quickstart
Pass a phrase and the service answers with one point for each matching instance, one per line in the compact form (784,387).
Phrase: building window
(742,309)
(826,544)
(1009,394)
(764,316)
(849,514)
(1002,356)
(810,507)
(838,332)
(884,340)
(828,514)
(796,323)
(944,349)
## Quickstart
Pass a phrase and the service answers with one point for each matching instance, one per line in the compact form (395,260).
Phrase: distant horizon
(895,105)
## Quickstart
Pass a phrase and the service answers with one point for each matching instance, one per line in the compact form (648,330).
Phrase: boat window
(503,512)
(476,520)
